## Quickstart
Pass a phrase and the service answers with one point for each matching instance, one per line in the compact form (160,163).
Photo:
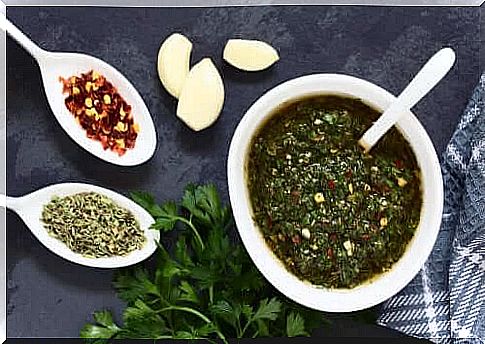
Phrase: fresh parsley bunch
(205,287)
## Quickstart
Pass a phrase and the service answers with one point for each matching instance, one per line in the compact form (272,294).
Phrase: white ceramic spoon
(432,72)
(29,208)
(55,64)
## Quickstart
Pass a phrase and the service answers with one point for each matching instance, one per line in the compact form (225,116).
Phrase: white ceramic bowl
(403,271)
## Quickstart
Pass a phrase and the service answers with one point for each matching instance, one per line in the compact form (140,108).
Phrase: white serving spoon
(55,64)
(432,72)
(29,208)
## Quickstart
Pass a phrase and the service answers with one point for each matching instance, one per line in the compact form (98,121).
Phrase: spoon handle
(12,203)
(432,72)
(21,38)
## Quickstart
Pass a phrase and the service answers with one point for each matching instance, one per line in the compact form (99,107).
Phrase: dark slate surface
(482,37)
(48,296)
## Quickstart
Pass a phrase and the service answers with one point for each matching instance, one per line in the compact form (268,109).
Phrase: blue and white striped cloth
(445,303)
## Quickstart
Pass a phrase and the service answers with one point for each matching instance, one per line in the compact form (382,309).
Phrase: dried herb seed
(92,225)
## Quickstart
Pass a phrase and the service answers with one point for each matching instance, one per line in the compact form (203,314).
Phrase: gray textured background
(50,297)
(482,37)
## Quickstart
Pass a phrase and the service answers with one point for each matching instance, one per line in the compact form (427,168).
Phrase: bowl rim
(406,268)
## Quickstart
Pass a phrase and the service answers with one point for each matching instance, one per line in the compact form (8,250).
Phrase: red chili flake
(295,195)
(399,164)
(269,221)
(101,111)
(333,237)
(348,174)
(382,188)
(331,184)
(365,237)
(296,239)
(329,252)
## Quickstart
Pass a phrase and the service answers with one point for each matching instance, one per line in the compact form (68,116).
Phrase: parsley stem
(196,233)
(246,327)
(211,294)
(239,329)
(195,312)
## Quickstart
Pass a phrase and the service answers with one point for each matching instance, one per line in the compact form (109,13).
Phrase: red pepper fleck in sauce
(269,222)
(399,164)
(333,237)
(295,195)
(348,174)
(331,184)
(101,111)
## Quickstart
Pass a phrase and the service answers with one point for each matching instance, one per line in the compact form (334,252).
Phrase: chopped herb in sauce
(333,215)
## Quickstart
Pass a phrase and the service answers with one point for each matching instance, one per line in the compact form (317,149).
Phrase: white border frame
(219,3)
(146,3)
(3,183)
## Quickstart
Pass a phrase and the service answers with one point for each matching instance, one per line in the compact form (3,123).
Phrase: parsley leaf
(105,327)
(204,204)
(184,335)
(206,329)
(263,329)
(181,254)
(226,312)
(167,217)
(205,286)
(104,318)
(96,332)
(147,201)
(268,310)
(295,325)
(188,293)
(142,321)
(134,285)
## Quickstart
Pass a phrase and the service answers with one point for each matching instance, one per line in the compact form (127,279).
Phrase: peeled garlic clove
(174,62)
(249,55)
(202,96)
